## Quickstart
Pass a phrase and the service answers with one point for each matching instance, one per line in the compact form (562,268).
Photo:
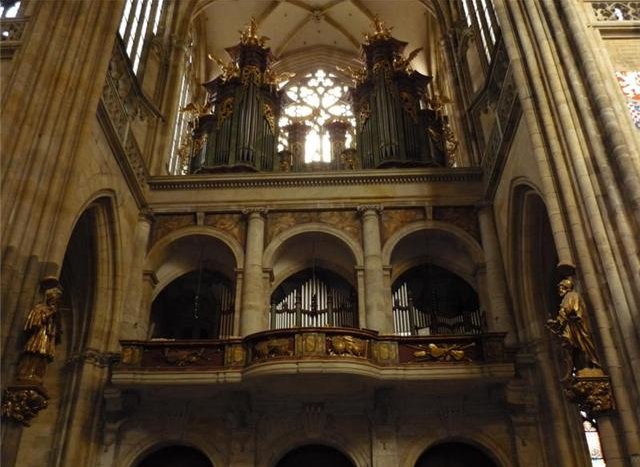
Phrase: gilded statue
(42,325)
(572,327)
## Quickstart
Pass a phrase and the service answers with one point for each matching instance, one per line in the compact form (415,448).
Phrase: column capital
(150,276)
(373,208)
(253,211)
(146,215)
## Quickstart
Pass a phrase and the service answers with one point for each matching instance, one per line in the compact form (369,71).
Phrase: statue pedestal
(21,402)
(590,388)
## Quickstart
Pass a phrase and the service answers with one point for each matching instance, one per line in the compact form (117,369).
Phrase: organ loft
(323,233)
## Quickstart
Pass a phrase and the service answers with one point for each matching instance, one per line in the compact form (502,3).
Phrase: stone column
(253,317)
(378,318)
(135,319)
(237,310)
(149,282)
(338,136)
(297,132)
(499,317)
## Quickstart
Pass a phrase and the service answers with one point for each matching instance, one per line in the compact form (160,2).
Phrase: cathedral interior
(359,233)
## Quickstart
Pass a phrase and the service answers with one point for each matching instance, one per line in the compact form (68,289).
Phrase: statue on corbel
(585,383)
(22,400)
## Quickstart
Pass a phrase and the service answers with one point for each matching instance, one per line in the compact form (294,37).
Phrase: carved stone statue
(572,327)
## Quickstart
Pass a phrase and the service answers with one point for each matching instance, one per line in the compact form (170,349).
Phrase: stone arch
(533,265)
(162,253)
(477,440)
(465,267)
(293,440)
(90,276)
(312,227)
(152,443)
(160,247)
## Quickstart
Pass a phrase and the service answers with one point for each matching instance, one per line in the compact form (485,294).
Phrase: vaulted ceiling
(305,34)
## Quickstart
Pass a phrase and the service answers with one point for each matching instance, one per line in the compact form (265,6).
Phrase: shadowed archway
(315,455)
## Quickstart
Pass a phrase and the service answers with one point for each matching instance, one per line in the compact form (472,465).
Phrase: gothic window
(317,99)
(314,297)
(178,154)
(9,9)
(140,21)
(593,440)
(430,300)
(630,84)
(480,15)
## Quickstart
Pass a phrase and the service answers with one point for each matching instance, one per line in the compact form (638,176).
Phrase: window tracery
(316,100)
(9,9)
(140,19)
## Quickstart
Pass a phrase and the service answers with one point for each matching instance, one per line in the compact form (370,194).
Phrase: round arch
(483,443)
(315,455)
(472,247)
(312,227)
(293,440)
(155,254)
(151,444)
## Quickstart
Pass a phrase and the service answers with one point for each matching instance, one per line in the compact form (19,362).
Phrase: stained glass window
(315,100)
(593,440)
(630,84)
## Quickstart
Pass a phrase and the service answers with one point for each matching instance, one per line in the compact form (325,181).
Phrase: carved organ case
(394,126)
(242,133)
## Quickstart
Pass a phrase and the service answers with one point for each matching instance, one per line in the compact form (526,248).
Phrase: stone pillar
(253,317)
(383,419)
(378,318)
(338,136)
(149,282)
(135,319)
(237,310)
(297,133)
(499,317)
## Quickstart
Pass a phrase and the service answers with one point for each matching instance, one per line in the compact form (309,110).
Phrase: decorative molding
(95,357)
(21,403)
(11,33)
(286,180)
(508,112)
(616,11)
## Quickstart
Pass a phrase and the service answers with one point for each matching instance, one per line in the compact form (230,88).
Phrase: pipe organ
(313,302)
(398,122)
(408,320)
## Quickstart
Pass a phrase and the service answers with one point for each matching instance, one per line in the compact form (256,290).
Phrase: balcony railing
(328,344)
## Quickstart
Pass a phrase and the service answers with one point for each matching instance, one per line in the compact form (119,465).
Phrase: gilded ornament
(380,31)
(273,348)
(131,355)
(183,357)
(441,353)
(226,110)
(229,70)
(347,346)
(592,394)
(267,111)
(22,404)
(250,35)
(250,73)
(408,105)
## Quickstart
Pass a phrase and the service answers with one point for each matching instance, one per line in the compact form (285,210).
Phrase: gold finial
(380,31)
(250,34)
